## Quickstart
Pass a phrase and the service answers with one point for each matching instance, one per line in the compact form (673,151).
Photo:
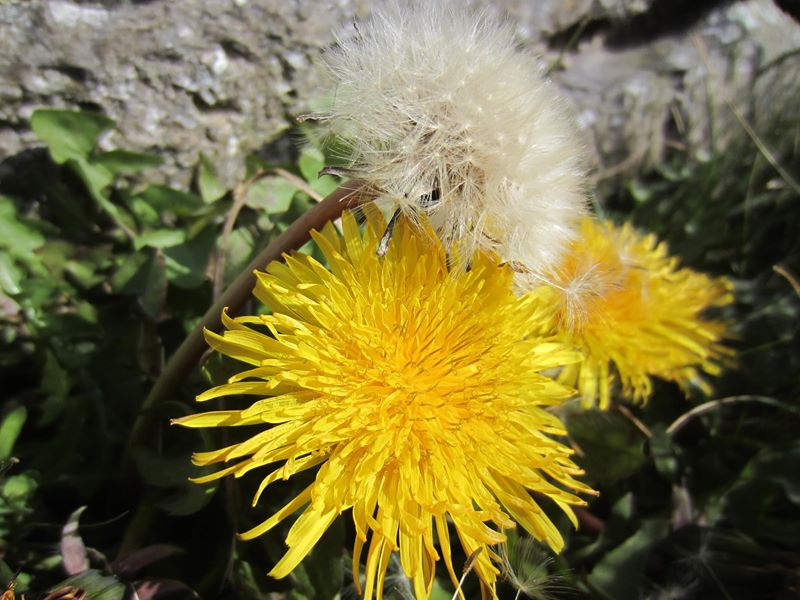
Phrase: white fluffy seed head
(436,102)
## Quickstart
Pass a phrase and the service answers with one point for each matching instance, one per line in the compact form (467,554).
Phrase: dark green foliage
(102,276)
(711,509)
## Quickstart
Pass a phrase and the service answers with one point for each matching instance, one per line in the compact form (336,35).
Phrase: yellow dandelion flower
(412,390)
(625,302)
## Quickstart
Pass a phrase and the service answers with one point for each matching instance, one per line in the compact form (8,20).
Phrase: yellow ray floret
(412,391)
(635,314)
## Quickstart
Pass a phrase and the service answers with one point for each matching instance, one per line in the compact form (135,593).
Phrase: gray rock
(226,77)
(676,91)
(180,78)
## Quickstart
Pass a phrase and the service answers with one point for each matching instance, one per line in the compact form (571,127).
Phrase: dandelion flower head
(626,303)
(410,389)
(443,115)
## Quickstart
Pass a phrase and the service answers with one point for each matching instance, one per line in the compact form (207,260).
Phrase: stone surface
(226,77)
(220,77)
(676,89)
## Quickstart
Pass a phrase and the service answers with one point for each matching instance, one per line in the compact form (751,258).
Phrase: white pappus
(442,114)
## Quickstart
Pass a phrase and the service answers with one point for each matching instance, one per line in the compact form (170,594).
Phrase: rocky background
(226,77)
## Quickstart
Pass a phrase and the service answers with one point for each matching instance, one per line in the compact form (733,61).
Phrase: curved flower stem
(678,423)
(191,349)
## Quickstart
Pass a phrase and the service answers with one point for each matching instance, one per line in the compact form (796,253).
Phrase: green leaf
(166,199)
(144,274)
(154,293)
(6,574)
(85,273)
(19,238)
(663,454)
(97,179)
(18,488)
(438,592)
(244,580)
(325,184)
(171,473)
(766,494)
(612,447)
(69,134)
(55,385)
(619,526)
(10,429)
(188,499)
(163,471)
(22,579)
(160,238)
(311,162)
(86,311)
(620,573)
(208,183)
(55,255)
(11,276)
(781,465)
(638,191)
(186,264)
(240,250)
(126,280)
(124,161)
(143,211)
(272,195)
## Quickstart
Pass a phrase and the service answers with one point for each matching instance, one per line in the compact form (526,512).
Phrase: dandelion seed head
(430,96)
